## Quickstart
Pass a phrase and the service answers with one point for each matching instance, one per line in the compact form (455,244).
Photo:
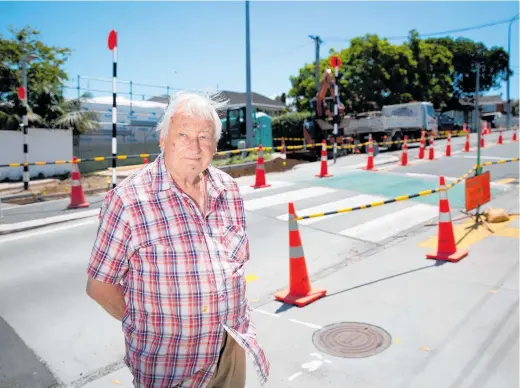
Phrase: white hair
(200,105)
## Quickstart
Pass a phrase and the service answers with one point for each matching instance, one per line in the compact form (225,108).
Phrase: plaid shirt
(182,275)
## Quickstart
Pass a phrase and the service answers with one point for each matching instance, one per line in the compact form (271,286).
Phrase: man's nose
(194,144)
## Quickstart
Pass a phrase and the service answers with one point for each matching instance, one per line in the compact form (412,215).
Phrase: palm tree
(10,118)
(71,116)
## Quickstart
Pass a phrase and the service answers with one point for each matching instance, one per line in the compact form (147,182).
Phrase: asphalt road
(42,275)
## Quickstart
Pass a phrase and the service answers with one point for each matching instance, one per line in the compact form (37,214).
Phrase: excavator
(321,124)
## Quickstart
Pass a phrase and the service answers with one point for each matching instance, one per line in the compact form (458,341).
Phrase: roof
(482,100)
(122,101)
(237,99)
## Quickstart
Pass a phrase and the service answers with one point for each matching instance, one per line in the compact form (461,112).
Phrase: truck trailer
(392,123)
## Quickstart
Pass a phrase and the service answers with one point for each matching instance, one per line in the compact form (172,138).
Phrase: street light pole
(249,103)
(509,72)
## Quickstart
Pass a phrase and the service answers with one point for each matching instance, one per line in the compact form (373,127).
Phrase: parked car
(446,123)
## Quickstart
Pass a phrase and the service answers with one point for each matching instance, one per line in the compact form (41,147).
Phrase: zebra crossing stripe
(356,200)
(247,189)
(389,225)
(284,198)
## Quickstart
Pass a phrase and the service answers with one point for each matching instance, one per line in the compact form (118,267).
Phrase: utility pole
(509,71)
(477,120)
(249,103)
(317,42)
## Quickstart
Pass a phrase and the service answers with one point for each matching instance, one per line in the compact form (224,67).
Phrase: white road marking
(389,225)
(311,325)
(307,324)
(311,366)
(284,198)
(416,174)
(484,157)
(448,178)
(354,201)
(295,375)
(266,313)
(68,226)
(247,189)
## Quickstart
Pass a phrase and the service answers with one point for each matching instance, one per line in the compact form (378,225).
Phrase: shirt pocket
(234,241)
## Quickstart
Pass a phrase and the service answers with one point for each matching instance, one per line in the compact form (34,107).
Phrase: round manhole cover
(352,340)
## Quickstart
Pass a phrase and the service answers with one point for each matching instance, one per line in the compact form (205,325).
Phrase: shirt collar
(162,181)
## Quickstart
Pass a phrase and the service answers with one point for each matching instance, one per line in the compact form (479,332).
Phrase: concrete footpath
(15,218)
(394,319)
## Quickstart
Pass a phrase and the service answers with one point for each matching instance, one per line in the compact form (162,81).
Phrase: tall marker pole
(22,95)
(335,62)
(112,45)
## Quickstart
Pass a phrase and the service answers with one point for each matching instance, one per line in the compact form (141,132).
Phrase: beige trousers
(231,367)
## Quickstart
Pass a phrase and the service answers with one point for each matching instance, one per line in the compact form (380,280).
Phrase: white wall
(45,145)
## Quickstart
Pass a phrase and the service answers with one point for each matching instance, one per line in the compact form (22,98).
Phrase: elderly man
(168,261)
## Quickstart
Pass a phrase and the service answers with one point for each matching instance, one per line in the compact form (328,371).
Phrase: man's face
(189,145)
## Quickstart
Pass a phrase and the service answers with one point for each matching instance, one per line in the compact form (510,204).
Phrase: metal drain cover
(352,340)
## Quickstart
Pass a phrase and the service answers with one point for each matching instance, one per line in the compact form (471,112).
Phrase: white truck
(394,122)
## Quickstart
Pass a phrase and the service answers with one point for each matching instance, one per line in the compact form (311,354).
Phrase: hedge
(289,125)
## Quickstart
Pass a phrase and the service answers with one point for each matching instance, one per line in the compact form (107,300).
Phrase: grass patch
(238,159)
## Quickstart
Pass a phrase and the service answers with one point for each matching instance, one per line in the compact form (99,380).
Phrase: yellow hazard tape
(403,197)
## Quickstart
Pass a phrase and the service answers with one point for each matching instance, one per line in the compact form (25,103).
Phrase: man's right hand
(109,296)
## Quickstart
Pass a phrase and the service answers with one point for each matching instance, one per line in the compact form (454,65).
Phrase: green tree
(466,53)
(303,88)
(430,73)
(70,115)
(375,72)
(45,80)
(45,77)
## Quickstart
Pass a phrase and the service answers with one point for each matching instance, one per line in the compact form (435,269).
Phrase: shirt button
(204,309)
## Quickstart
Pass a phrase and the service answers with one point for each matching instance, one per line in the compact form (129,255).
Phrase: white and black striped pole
(22,95)
(112,45)
(335,62)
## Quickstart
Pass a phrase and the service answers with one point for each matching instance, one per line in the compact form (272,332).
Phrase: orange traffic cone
(324,169)
(482,142)
(514,134)
(77,197)
(260,170)
(466,145)
(448,144)
(421,145)
(500,140)
(431,154)
(300,292)
(446,246)
(404,155)
(283,152)
(370,160)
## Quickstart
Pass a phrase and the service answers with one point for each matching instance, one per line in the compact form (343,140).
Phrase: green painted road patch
(395,185)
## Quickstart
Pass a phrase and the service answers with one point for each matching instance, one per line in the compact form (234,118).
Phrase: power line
(285,52)
(477,27)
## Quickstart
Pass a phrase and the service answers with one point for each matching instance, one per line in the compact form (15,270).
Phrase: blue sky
(198,45)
